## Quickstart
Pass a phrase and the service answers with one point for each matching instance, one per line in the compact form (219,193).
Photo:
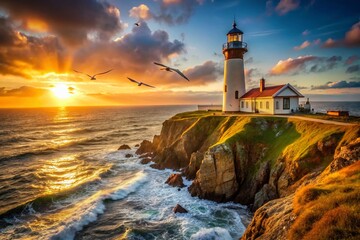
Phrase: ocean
(322,107)
(62,177)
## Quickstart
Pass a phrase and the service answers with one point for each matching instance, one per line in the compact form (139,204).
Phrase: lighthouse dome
(235,30)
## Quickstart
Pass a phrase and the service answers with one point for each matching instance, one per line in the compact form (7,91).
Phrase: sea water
(62,177)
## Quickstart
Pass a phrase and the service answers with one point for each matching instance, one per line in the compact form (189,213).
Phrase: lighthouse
(234,77)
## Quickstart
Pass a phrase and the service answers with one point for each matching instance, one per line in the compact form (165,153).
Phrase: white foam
(215,233)
(87,211)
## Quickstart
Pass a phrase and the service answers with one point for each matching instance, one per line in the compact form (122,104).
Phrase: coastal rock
(175,180)
(145,147)
(346,156)
(137,145)
(179,209)
(145,160)
(216,178)
(128,155)
(266,193)
(194,165)
(124,147)
(271,221)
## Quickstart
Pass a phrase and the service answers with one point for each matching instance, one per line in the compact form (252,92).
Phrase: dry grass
(329,209)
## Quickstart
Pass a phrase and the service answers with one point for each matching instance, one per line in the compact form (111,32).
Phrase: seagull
(140,83)
(93,76)
(137,24)
(169,69)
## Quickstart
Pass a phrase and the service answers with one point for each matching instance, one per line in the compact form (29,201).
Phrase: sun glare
(61,90)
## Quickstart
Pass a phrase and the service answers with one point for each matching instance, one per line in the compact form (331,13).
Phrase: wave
(90,208)
(215,233)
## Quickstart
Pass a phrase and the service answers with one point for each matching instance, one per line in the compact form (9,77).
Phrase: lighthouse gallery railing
(236,44)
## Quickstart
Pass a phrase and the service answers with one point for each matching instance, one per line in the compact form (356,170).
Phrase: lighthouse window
(225,88)
(236,94)
(286,104)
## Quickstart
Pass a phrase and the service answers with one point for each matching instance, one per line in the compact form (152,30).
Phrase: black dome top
(234,30)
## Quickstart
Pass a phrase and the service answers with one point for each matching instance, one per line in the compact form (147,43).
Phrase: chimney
(262,84)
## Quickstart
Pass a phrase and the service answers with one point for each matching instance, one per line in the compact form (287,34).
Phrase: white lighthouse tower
(234,78)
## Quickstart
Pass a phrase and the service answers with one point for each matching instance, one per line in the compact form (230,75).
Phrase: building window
(247,105)
(277,105)
(286,103)
(242,104)
(225,88)
(267,104)
(236,94)
(260,105)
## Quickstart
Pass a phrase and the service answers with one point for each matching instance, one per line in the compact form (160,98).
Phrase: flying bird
(137,24)
(170,69)
(93,76)
(140,83)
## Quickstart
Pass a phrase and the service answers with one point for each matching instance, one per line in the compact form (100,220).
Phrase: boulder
(179,209)
(145,147)
(124,147)
(175,180)
(137,145)
(145,160)
(128,155)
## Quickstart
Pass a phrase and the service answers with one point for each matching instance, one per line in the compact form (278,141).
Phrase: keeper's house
(281,99)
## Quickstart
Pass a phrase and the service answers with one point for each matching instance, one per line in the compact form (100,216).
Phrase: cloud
(285,6)
(291,65)
(351,39)
(299,87)
(24,91)
(249,60)
(353,69)
(176,11)
(133,52)
(21,54)
(140,12)
(340,84)
(205,73)
(305,33)
(305,64)
(302,46)
(352,59)
(72,21)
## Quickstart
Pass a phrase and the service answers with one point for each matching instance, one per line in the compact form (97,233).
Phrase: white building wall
(261,105)
(294,105)
(234,80)
(287,92)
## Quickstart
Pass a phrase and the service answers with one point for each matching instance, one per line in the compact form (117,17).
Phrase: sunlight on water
(67,172)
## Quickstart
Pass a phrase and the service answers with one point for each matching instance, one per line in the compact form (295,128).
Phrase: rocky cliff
(254,160)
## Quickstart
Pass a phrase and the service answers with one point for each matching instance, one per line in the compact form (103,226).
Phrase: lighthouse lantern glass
(235,37)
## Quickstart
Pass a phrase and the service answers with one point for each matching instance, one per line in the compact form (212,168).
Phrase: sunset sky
(312,44)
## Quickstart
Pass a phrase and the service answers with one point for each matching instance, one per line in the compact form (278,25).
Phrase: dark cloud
(285,6)
(132,52)
(24,91)
(204,74)
(353,69)
(175,11)
(72,21)
(340,84)
(352,59)
(249,60)
(305,64)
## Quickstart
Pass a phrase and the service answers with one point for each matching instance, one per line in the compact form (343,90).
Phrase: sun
(61,90)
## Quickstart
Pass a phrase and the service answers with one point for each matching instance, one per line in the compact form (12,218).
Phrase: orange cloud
(351,39)
(302,46)
(291,65)
(140,12)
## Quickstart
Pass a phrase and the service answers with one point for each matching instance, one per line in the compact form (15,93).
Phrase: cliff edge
(260,161)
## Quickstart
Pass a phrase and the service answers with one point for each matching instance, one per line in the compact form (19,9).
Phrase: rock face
(145,147)
(179,209)
(253,160)
(124,147)
(175,180)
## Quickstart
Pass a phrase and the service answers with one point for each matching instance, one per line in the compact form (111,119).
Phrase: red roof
(267,92)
